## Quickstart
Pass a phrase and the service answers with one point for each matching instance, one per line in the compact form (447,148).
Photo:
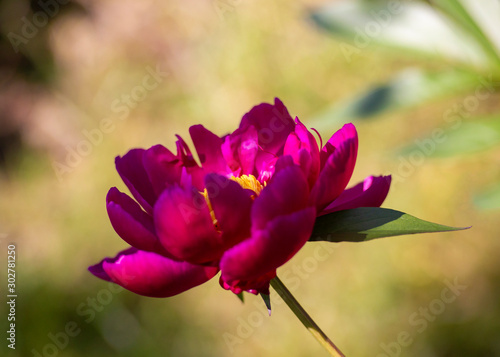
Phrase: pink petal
(150,274)
(268,248)
(185,227)
(208,147)
(131,170)
(369,193)
(338,168)
(286,193)
(162,166)
(232,205)
(132,224)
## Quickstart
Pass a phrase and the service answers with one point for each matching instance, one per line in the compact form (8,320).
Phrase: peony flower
(245,211)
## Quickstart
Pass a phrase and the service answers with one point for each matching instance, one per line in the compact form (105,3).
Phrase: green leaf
(463,138)
(408,27)
(366,223)
(489,199)
(409,88)
(241,297)
(267,301)
(462,16)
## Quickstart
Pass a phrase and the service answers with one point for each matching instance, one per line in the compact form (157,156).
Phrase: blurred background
(84,81)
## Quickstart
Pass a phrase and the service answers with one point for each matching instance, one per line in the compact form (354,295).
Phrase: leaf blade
(367,223)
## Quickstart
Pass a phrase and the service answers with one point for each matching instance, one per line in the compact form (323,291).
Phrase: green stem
(304,317)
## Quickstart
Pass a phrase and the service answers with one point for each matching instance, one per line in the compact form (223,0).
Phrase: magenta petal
(255,286)
(338,168)
(150,274)
(185,227)
(132,224)
(162,166)
(247,150)
(273,124)
(369,193)
(346,133)
(286,193)
(232,205)
(230,152)
(131,170)
(240,150)
(191,172)
(292,144)
(268,248)
(308,142)
(208,146)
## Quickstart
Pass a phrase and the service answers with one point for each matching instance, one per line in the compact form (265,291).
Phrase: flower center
(247,182)
(250,182)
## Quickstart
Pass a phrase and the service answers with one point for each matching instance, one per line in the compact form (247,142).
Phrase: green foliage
(469,137)
(367,223)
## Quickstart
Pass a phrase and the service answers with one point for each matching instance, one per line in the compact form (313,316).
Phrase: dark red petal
(132,224)
(369,193)
(185,227)
(208,146)
(286,193)
(131,170)
(232,205)
(150,274)
(268,248)
(338,168)
(163,167)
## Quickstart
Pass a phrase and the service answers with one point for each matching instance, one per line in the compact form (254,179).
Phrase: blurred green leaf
(464,138)
(409,88)
(455,10)
(366,223)
(414,27)
(489,199)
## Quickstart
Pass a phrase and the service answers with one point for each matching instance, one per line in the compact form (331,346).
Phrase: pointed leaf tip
(267,301)
(367,223)
(241,297)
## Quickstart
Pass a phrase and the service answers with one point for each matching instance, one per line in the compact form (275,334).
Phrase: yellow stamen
(246,181)
(212,213)
(250,182)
